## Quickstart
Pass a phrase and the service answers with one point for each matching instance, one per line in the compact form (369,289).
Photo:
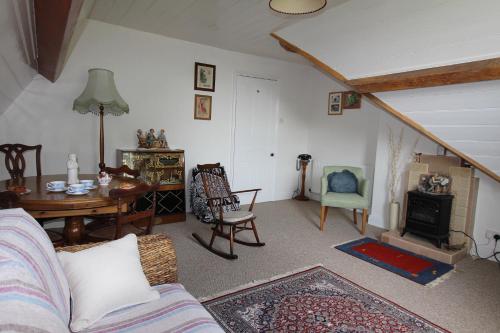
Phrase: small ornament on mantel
(72,165)
(150,140)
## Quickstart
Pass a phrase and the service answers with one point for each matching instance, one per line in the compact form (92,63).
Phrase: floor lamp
(100,97)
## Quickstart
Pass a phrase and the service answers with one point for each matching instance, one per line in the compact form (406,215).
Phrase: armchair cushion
(342,182)
(360,199)
(344,200)
(237,216)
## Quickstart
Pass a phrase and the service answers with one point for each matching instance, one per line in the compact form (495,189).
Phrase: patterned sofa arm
(158,258)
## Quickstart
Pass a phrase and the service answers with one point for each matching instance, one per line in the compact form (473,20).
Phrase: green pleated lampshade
(100,90)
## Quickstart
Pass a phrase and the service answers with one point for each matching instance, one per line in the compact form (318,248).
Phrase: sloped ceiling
(17,51)
(237,25)
(366,38)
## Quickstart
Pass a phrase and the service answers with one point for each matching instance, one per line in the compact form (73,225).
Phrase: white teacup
(76,188)
(56,185)
(89,183)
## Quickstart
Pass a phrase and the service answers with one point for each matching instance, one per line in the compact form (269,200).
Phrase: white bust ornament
(72,169)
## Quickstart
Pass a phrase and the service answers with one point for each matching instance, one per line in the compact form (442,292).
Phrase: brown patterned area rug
(313,300)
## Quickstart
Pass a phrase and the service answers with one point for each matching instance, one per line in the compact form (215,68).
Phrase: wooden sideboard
(163,166)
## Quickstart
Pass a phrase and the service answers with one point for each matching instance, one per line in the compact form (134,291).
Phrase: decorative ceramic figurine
(141,136)
(162,139)
(149,139)
(72,169)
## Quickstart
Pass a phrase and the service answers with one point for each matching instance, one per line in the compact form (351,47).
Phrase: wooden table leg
(74,229)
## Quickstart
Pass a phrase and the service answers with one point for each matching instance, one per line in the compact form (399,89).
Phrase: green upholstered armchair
(354,201)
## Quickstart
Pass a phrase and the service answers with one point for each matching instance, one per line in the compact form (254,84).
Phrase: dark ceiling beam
(387,108)
(475,71)
(55,23)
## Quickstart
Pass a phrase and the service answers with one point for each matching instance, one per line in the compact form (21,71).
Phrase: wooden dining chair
(15,161)
(10,199)
(222,204)
(98,221)
(129,220)
(123,170)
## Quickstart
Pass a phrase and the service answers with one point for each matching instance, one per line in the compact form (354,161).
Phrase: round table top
(41,199)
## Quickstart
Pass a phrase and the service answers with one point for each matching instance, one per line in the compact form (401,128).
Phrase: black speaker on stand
(302,161)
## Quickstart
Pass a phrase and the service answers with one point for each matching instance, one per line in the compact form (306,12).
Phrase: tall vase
(394,215)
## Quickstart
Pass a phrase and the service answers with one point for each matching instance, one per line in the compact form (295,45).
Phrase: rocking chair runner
(219,196)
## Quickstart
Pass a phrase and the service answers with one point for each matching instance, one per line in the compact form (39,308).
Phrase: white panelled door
(254,137)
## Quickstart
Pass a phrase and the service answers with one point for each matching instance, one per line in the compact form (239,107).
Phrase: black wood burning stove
(428,215)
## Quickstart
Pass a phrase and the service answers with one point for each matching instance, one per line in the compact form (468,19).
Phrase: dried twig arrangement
(395,145)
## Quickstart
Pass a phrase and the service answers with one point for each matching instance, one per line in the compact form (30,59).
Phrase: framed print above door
(204,77)
(202,107)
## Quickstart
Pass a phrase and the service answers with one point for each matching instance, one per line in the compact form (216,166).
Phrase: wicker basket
(158,257)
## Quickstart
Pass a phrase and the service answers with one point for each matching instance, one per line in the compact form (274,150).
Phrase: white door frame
(233,126)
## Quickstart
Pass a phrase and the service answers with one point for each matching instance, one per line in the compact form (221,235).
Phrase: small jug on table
(104,178)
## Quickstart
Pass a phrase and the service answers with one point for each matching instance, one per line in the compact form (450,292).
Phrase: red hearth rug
(412,266)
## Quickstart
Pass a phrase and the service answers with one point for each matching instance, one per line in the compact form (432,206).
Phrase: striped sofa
(35,297)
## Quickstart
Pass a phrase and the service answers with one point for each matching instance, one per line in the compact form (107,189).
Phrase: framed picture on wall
(351,100)
(202,107)
(335,103)
(204,77)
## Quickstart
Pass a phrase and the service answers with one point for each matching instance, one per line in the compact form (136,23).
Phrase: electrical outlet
(490,234)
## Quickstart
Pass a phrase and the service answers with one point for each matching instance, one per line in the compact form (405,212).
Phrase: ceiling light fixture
(297,7)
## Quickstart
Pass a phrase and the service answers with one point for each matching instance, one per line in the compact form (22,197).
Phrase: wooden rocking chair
(221,202)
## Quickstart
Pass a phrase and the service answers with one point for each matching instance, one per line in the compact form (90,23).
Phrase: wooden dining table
(40,203)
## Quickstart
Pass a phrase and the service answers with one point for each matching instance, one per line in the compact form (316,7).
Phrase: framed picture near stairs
(351,100)
(335,103)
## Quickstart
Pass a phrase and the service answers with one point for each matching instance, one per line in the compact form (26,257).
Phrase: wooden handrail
(384,106)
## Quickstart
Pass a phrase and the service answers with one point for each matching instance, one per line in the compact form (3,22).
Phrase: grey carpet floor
(468,301)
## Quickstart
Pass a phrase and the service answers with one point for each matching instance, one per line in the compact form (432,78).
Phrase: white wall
(487,217)
(154,74)
(17,55)
(347,139)
(358,138)
(412,142)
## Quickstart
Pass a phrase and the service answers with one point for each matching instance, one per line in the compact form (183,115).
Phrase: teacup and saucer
(89,184)
(77,189)
(56,186)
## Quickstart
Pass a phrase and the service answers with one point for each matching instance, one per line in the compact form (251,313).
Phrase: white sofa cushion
(175,311)
(103,279)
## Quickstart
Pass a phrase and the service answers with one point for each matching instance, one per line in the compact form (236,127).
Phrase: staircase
(362,40)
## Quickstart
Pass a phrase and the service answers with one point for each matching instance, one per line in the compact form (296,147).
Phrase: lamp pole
(102,165)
